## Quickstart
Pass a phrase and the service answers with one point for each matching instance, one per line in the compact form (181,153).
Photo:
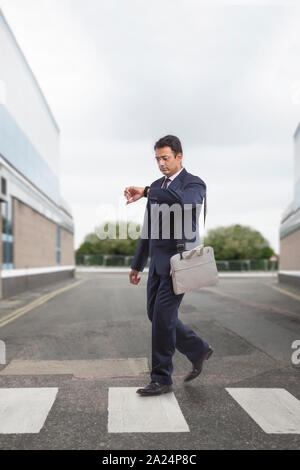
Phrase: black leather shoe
(154,388)
(197,366)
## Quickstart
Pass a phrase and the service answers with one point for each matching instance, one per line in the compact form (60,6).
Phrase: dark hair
(169,141)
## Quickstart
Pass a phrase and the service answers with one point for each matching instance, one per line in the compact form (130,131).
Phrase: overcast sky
(120,74)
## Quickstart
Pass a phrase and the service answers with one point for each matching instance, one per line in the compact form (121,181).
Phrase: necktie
(164,186)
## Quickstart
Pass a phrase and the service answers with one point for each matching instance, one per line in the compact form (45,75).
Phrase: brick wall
(35,239)
(290,252)
(1,250)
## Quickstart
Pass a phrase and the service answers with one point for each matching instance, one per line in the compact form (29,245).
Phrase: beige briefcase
(193,269)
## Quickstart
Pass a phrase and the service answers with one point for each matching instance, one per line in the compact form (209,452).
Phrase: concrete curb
(117,270)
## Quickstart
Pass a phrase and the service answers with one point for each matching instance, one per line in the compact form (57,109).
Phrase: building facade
(289,263)
(37,242)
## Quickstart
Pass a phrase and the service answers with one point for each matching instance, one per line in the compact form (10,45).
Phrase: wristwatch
(146,190)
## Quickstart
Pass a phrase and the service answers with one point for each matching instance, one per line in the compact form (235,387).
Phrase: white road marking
(2,352)
(130,412)
(24,410)
(275,410)
(35,303)
(284,291)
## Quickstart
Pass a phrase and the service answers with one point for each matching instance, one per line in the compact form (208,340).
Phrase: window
(7,234)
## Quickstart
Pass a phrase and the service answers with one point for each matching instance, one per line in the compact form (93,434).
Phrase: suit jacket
(186,191)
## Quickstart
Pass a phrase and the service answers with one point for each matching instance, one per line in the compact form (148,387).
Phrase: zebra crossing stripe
(130,412)
(24,410)
(275,410)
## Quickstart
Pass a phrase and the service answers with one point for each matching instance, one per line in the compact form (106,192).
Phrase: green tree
(238,242)
(234,242)
(109,246)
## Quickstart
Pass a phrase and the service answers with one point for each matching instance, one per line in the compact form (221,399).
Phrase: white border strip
(29,194)
(290,273)
(25,410)
(130,412)
(221,274)
(31,271)
(275,410)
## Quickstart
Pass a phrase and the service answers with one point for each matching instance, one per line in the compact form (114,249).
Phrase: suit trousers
(168,332)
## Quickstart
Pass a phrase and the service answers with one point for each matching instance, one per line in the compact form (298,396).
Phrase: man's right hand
(133,193)
(133,276)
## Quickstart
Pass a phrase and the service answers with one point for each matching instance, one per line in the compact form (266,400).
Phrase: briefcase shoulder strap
(180,244)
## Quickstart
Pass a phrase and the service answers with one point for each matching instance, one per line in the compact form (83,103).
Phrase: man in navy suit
(177,189)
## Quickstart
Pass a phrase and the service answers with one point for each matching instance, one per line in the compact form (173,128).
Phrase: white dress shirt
(171,178)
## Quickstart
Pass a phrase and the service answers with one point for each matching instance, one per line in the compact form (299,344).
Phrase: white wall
(24,101)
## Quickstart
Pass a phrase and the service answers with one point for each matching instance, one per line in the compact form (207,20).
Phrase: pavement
(77,350)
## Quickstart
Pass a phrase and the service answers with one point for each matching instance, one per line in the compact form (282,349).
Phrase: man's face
(167,163)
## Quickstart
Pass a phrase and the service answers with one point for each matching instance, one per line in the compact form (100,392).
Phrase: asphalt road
(93,340)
